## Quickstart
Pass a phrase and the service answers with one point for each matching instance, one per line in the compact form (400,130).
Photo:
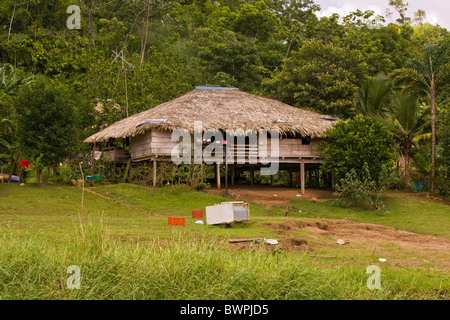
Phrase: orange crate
(176,221)
(197,214)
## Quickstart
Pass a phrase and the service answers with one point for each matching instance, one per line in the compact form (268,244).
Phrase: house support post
(302,175)
(92,159)
(226,177)
(218,175)
(154,173)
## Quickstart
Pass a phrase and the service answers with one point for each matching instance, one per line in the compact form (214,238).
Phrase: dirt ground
(267,195)
(400,248)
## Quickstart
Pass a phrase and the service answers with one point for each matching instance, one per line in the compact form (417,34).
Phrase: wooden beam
(226,177)
(92,159)
(302,175)
(252,175)
(154,173)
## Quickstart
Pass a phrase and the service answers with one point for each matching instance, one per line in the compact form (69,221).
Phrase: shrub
(352,143)
(363,190)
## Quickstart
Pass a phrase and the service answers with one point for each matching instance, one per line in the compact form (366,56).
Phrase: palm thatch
(220,109)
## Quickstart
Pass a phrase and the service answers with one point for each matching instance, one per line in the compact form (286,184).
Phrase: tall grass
(181,267)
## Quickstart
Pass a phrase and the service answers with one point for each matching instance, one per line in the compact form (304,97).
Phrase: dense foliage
(357,142)
(130,55)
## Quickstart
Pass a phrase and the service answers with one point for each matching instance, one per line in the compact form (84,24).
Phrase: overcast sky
(437,11)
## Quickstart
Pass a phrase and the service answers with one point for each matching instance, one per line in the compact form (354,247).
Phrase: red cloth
(24,163)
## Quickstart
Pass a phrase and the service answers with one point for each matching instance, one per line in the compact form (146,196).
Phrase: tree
(46,122)
(404,119)
(429,74)
(352,143)
(319,76)
(419,16)
(255,20)
(401,7)
(374,94)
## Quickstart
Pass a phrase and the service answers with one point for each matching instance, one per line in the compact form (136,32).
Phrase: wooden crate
(176,221)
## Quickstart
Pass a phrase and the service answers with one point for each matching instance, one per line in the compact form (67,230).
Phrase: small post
(252,175)
(271,180)
(302,175)
(226,170)
(92,159)
(218,175)
(154,173)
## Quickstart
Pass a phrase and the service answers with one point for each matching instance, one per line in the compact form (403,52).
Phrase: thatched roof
(220,109)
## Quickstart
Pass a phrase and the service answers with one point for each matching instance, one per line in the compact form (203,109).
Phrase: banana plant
(36,164)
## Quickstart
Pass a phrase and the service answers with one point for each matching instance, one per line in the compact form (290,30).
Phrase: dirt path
(267,195)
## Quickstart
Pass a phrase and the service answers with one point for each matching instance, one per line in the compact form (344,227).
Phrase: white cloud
(436,10)
(346,8)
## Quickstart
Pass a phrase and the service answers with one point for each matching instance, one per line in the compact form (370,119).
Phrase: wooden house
(222,109)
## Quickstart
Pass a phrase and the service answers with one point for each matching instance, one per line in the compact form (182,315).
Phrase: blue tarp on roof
(214,88)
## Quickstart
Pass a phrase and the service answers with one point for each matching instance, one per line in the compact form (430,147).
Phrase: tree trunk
(38,177)
(11,21)
(145,37)
(11,170)
(407,180)
(433,132)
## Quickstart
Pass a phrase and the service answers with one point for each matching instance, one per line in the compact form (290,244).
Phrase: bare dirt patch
(276,196)
(288,245)
(369,238)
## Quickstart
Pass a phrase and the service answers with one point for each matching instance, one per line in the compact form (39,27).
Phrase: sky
(437,11)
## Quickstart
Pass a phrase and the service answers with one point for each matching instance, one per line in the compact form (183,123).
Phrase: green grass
(32,268)
(401,212)
(126,250)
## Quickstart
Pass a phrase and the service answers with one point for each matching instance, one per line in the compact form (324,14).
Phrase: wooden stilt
(302,175)
(252,176)
(218,175)
(154,173)
(226,177)
(271,180)
(92,160)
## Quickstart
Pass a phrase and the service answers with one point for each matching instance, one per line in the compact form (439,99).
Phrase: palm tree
(374,94)
(408,123)
(430,74)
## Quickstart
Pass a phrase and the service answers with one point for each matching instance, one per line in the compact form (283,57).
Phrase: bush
(365,190)
(68,172)
(352,143)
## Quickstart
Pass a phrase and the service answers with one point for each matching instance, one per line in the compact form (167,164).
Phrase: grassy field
(126,250)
